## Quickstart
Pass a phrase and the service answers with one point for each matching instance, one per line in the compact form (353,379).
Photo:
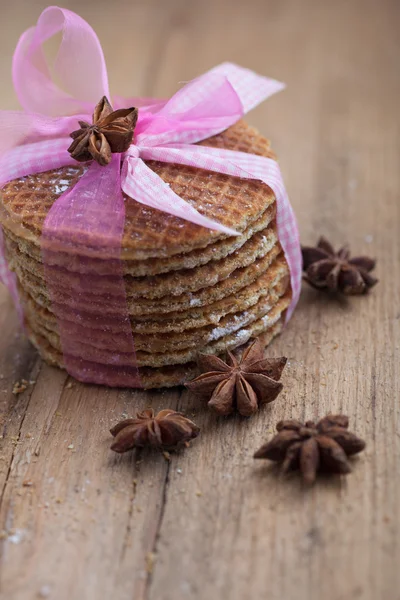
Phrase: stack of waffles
(189,289)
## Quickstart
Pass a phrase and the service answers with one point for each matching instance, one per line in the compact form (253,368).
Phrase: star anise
(167,430)
(336,271)
(312,447)
(110,132)
(242,384)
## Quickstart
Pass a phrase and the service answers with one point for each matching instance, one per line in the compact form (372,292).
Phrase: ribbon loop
(249,86)
(80,66)
(196,112)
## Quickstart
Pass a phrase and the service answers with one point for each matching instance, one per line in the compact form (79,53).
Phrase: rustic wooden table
(79,522)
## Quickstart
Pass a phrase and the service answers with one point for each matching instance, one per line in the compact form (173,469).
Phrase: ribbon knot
(132,152)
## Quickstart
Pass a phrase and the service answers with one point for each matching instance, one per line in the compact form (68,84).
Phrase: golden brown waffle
(162,342)
(142,306)
(174,283)
(148,232)
(227,342)
(275,279)
(149,377)
(150,309)
(153,266)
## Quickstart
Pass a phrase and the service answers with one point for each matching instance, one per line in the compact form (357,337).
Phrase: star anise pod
(312,447)
(110,132)
(242,384)
(167,430)
(336,271)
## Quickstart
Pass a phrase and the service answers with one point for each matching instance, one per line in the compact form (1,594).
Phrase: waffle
(174,283)
(96,305)
(153,266)
(274,281)
(164,342)
(150,378)
(188,289)
(94,353)
(149,233)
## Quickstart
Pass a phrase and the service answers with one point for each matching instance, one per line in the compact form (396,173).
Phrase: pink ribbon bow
(36,140)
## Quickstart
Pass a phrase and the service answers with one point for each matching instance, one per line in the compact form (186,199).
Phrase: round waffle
(174,283)
(164,342)
(97,305)
(274,281)
(150,378)
(228,341)
(28,250)
(149,233)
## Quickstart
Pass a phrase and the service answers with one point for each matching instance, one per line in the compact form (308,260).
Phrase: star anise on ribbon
(110,132)
(312,447)
(336,271)
(168,430)
(242,384)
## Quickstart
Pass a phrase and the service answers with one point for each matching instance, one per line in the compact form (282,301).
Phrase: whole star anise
(168,430)
(241,384)
(312,447)
(336,271)
(110,132)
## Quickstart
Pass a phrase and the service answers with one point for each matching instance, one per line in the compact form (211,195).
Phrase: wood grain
(80,523)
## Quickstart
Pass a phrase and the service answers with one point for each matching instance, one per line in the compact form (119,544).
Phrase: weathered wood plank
(17,361)
(79,518)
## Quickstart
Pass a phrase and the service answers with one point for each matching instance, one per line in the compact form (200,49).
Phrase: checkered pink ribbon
(36,140)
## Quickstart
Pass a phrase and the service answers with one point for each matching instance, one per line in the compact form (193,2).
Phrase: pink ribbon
(36,140)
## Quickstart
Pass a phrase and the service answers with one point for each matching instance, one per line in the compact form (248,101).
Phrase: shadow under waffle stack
(189,289)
